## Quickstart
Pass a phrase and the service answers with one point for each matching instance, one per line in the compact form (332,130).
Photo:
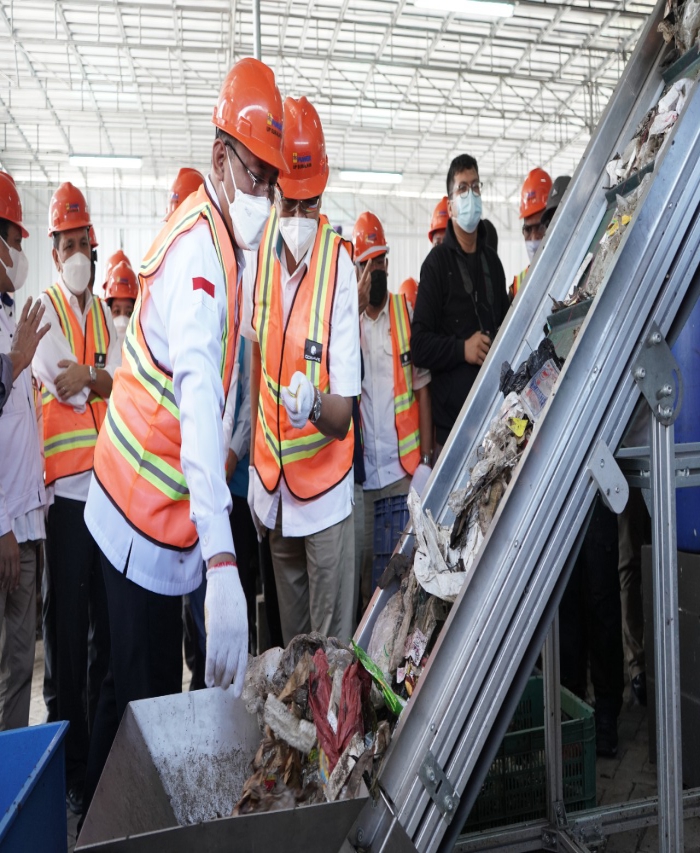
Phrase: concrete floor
(630,776)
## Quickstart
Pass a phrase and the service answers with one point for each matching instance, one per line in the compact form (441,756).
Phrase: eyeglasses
(475,187)
(267,187)
(538,229)
(291,205)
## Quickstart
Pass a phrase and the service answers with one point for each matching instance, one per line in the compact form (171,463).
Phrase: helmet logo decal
(301,161)
(73,207)
(274,125)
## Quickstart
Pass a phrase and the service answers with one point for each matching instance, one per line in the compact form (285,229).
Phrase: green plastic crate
(515,788)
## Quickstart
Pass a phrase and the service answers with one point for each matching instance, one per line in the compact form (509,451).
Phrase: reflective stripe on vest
(518,281)
(406,410)
(137,459)
(310,462)
(70,436)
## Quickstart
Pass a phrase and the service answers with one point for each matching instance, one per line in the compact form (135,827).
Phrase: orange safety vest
(310,462)
(517,283)
(70,436)
(406,410)
(137,460)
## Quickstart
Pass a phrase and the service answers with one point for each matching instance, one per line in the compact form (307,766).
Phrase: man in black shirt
(461,302)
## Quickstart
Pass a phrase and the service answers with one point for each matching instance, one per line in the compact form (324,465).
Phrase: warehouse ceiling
(398,88)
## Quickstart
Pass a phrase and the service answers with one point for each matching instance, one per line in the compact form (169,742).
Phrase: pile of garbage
(681,25)
(322,737)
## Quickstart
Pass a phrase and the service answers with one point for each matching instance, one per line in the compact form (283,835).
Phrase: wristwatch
(426,459)
(315,413)
(93,373)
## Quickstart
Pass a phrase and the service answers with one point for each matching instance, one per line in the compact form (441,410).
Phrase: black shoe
(75,799)
(639,688)
(605,735)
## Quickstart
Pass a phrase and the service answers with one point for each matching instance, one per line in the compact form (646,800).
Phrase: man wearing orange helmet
(395,404)
(187,181)
(533,201)
(304,321)
(462,300)
(159,504)
(121,292)
(438,222)
(75,364)
(22,494)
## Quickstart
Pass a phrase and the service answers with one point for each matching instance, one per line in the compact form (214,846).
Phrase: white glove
(420,477)
(226,620)
(260,528)
(298,399)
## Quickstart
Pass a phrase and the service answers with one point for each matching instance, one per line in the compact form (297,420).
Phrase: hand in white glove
(260,528)
(420,477)
(298,399)
(226,620)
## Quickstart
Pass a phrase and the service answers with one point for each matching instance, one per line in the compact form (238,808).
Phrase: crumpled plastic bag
(689,26)
(431,570)
(381,644)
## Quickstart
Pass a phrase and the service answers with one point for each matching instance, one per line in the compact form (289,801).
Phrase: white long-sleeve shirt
(183,328)
(22,493)
(382,462)
(54,347)
(303,518)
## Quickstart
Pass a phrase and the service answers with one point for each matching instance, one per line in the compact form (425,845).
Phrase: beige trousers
(315,576)
(17,642)
(400,487)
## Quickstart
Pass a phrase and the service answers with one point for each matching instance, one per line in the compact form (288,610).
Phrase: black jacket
(446,315)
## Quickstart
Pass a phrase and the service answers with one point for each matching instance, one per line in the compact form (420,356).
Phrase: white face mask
(249,214)
(468,211)
(76,273)
(298,233)
(120,324)
(532,246)
(17,273)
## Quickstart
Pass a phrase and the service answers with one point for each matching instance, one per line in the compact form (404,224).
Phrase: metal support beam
(552,727)
(257,39)
(666,652)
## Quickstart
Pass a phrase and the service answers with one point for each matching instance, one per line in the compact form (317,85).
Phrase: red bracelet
(223,565)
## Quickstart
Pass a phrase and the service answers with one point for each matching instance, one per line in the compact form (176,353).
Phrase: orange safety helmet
(10,205)
(117,258)
(440,218)
(533,195)
(409,289)
(250,110)
(92,237)
(188,181)
(368,237)
(304,150)
(68,209)
(121,282)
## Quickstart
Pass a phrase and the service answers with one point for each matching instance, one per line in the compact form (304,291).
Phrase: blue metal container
(687,428)
(33,789)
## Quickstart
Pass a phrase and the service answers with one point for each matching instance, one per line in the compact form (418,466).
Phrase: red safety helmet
(10,205)
(68,209)
(368,237)
(533,195)
(188,181)
(439,219)
(304,150)
(409,289)
(250,110)
(121,283)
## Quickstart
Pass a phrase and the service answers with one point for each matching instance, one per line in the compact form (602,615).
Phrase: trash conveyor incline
(185,753)
(450,731)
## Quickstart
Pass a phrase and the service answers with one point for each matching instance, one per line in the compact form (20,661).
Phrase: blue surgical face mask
(468,211)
